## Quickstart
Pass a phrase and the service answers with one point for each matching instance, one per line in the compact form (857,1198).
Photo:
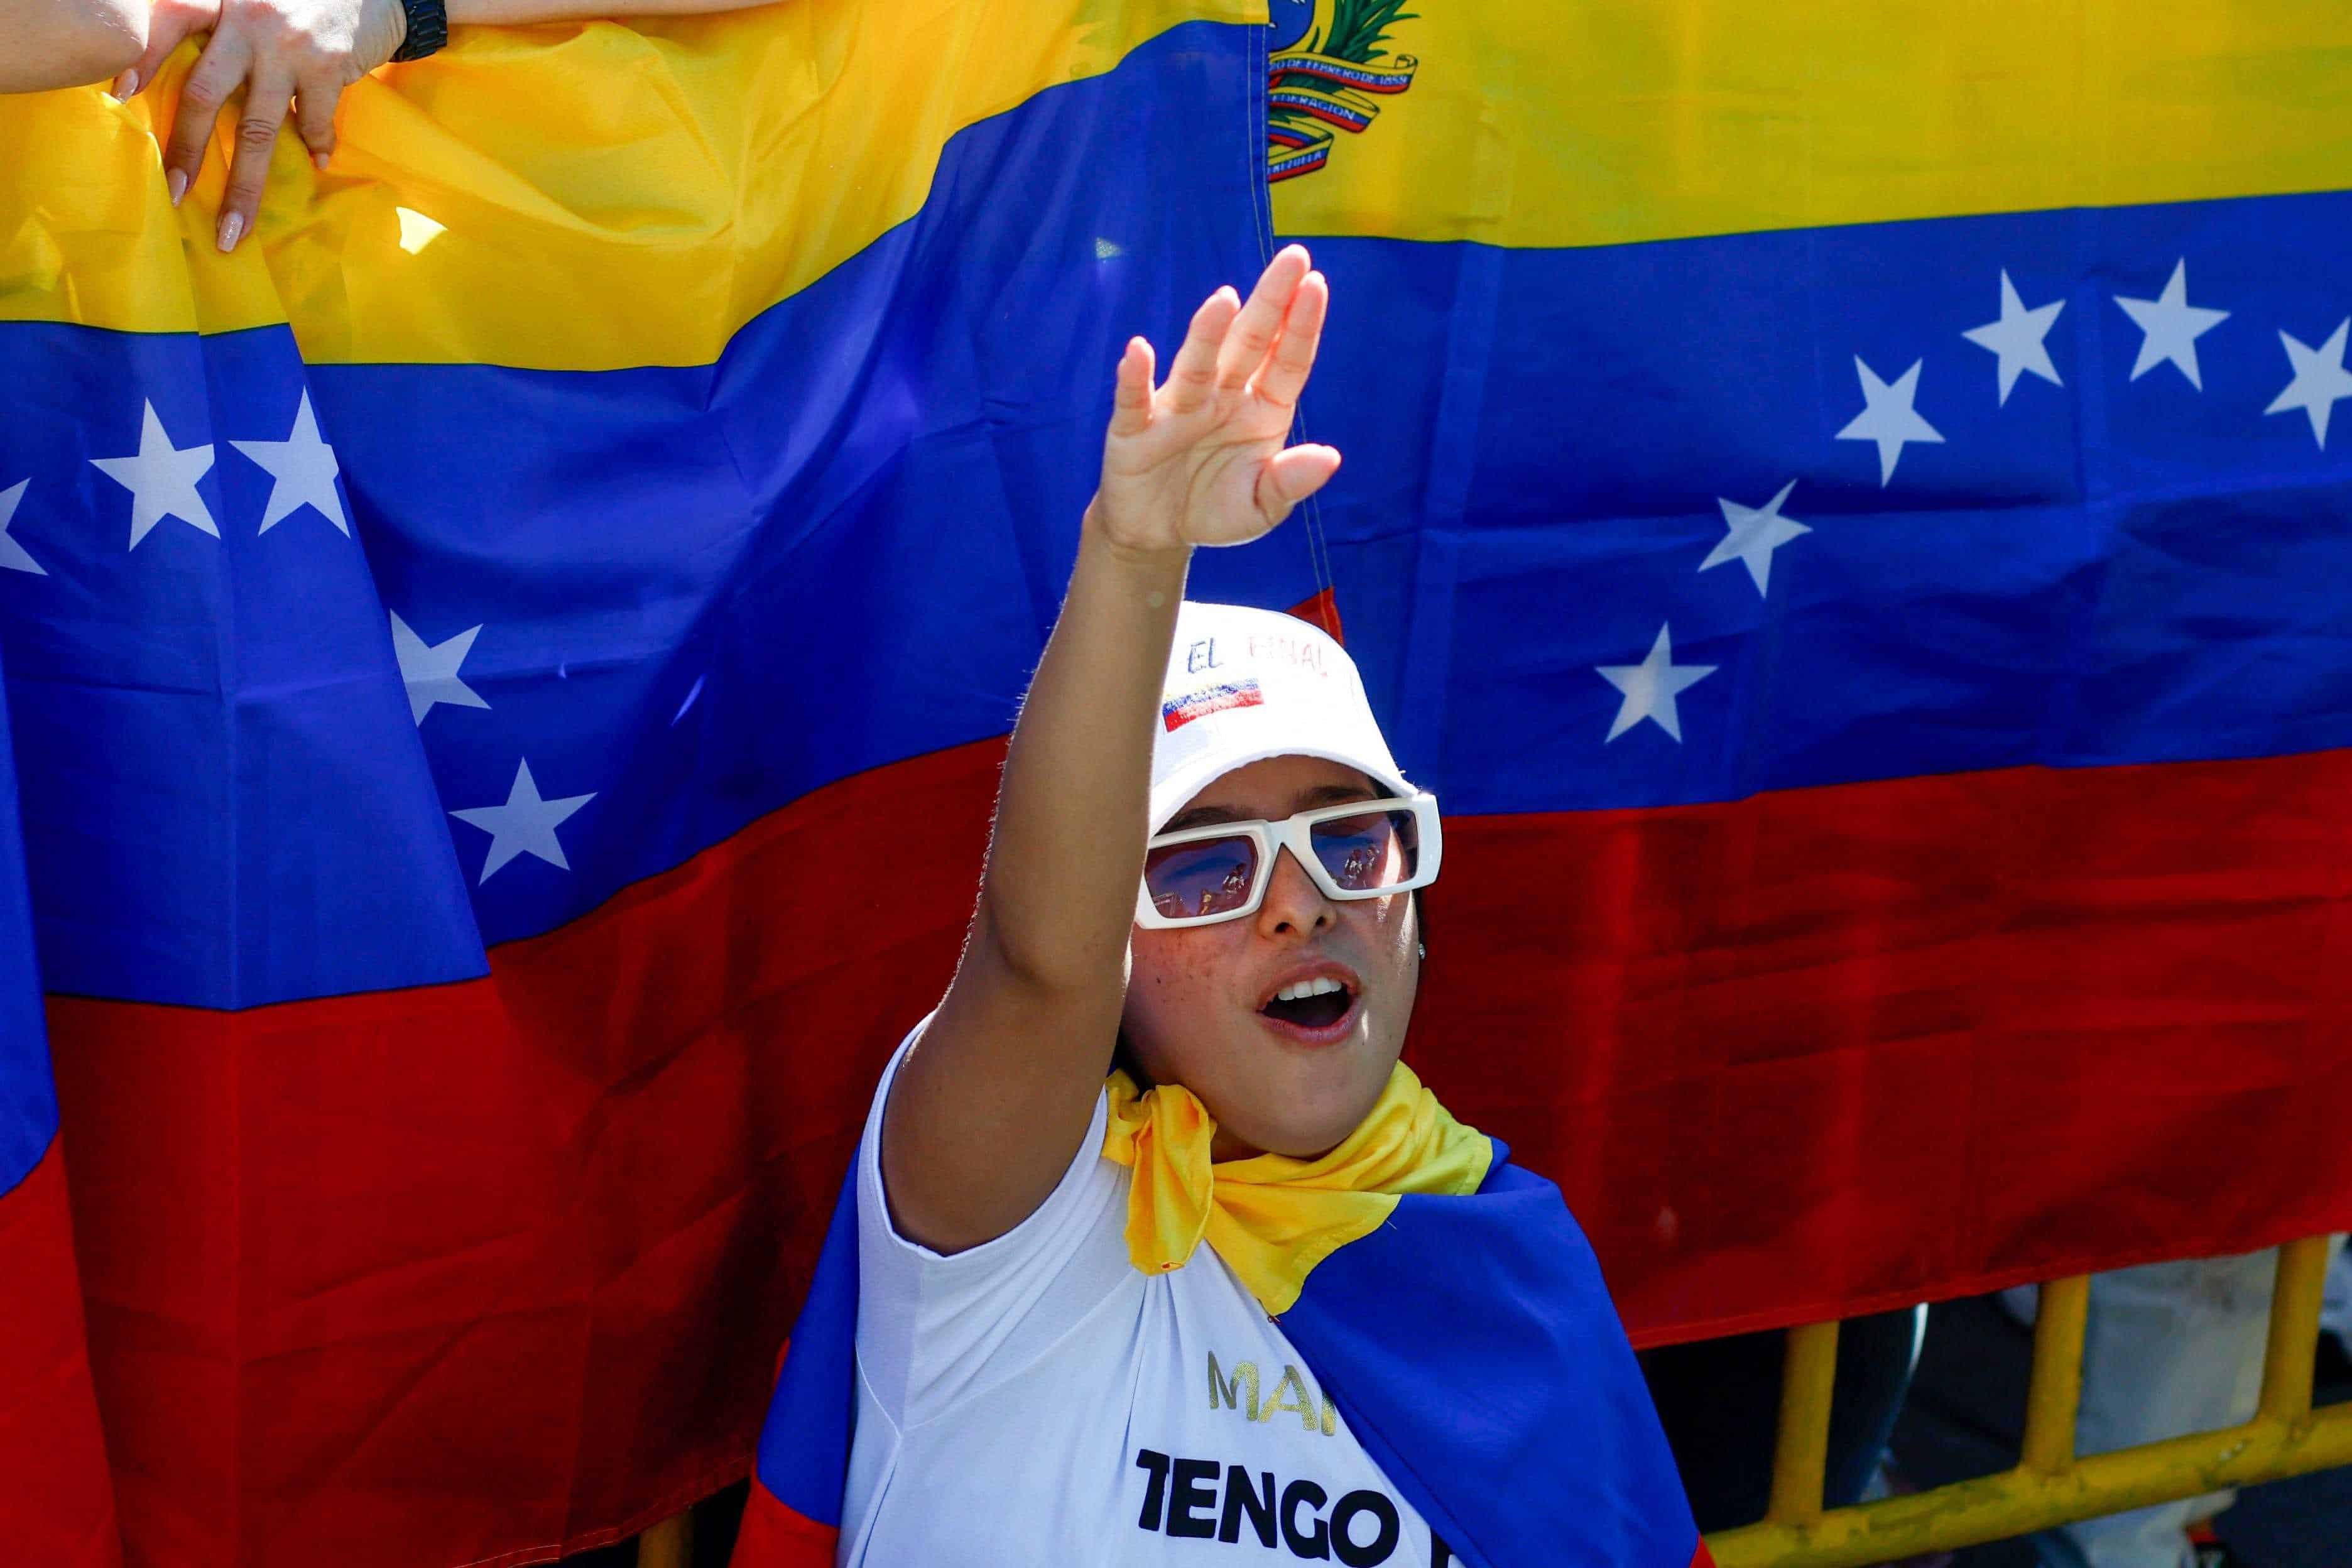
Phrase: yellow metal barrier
(2050,1485)
(669,1544)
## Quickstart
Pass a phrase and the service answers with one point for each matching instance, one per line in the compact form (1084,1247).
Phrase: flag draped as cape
(1468,1341)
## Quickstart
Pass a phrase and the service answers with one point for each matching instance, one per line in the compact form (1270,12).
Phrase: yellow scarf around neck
(1271,1217)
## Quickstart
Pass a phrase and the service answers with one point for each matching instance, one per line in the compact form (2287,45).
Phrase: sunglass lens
(1205,876)
(1373,850)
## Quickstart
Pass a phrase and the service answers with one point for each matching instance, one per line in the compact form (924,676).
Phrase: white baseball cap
(1244,685)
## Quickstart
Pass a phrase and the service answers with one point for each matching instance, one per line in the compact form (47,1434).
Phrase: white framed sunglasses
(1360,849)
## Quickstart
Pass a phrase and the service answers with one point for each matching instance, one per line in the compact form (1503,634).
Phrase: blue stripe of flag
(1473,1349)
(2103,570)
(29,1105)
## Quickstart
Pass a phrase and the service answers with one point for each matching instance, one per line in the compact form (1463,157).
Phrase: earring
(1424,948)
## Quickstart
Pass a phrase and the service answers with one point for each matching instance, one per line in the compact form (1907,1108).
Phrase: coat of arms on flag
(1329,71)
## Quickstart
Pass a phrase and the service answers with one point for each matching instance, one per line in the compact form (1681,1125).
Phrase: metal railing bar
(2055,1397)
(669,1544)
(2295,1329)
(2050,1486)
(1800,1452)
(2015,1502)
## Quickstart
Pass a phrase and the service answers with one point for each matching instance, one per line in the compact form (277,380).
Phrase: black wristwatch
(429,28)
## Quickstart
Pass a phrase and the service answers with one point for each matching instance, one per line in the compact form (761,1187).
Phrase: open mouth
(1311,1004)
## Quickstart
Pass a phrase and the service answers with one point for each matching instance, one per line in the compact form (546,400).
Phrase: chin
(1322,1120)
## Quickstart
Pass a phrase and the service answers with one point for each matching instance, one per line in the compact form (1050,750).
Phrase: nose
(1292,902)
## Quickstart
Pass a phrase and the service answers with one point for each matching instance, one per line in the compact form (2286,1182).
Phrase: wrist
(1121,550)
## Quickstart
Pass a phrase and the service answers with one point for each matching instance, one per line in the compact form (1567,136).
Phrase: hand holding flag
(296,53)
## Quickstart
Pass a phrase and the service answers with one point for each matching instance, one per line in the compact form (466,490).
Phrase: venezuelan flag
(55,1491)
(509,705)
(1841,504)
(1465,1337)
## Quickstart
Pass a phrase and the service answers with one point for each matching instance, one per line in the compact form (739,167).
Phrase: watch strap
(429,28)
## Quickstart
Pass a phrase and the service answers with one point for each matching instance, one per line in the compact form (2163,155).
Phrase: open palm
(1200,459)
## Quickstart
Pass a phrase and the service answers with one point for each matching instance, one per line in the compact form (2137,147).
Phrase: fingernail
(177,183)
(230,229)
(124,85)
(319,159)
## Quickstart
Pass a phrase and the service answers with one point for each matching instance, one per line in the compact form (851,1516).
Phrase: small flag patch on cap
(1211,699)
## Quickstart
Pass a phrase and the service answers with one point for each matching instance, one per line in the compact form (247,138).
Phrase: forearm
(983,1117)
(1071,810)
(985,1114)
(48,44)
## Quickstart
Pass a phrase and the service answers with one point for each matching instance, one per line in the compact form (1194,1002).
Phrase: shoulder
(1082,1216)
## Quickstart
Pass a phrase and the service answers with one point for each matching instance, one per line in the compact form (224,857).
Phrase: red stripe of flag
(55,1495)
(1835,1049)
(777,1535)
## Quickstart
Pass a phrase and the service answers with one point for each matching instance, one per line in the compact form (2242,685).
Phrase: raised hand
(1200,459)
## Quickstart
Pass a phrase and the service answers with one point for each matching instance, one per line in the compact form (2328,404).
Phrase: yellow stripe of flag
(1606,121)
(565,197)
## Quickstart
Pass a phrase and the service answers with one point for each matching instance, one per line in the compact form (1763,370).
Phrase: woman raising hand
(1154,1248)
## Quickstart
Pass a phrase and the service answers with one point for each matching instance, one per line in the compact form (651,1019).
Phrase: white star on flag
(13,555)
(162,480)
(2319,379)
(2017,337)
(525,824)
(302,471)
(1887,416)
(2172,326)
(1754,533)
(1652,685)
(429,670)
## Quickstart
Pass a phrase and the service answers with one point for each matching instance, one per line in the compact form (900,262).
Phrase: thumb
(1290,477)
